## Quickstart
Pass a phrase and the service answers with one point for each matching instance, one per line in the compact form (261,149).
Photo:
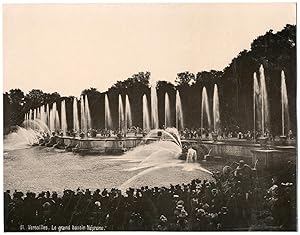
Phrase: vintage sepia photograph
(149,117)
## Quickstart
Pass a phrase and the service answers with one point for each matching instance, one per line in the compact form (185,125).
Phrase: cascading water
(157,155)
(108,120)
(216,113)
(205,109)
(264,101)
(146,119)
(167,111)
(128,118)
(154,107)
(75,116)
(285,119)
(121,113)
(21,138)
(87,113)
(64,126)
(82,115)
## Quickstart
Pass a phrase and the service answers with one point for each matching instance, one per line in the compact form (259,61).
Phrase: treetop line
(275,51)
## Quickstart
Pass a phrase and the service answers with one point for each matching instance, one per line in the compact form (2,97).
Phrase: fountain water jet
(87,113)
(75,116)
(264,101)
(284,106)
(167,134)
(48,115)
(108,120)
(179,113)
(121,114)
(63,112)
(128,118)
(146,121)
(57,122)
(52,117)
(256,93)
(82,115)
(216,113)
(167,111)
(154,108)
(204,109)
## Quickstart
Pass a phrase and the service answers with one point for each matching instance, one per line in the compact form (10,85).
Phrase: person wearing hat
(162,224)
(243,173)
(182,221)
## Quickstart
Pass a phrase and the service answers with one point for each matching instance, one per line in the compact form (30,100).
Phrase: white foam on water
(20,139)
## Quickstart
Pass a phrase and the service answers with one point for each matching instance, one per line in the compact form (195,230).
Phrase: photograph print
(149,117)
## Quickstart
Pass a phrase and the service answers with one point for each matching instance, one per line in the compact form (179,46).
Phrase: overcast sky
(67,48)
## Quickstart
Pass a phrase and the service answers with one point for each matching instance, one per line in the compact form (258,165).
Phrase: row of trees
(275,51)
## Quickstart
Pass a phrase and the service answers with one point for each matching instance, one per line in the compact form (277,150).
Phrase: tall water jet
(108,120)
(63,119)
(179,113)
(33,117)
(82,115)
(264,101)
(121,113)
(146,119)
(167,111)
(87,113)
(256,93)
(216,112)
(26,119)
(34,114)
(48,115)
(57,122)
(44,115)
(38,113)
(154,108)
(75,116)
(284,106)
(128,118)
(205,109)
(30,115)
(53,117)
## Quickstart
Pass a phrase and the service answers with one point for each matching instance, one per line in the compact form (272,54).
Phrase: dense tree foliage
(275,51)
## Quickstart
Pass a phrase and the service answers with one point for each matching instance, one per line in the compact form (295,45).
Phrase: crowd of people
(237,199)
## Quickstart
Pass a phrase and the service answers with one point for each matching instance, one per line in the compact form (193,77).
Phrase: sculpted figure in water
(191,155)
